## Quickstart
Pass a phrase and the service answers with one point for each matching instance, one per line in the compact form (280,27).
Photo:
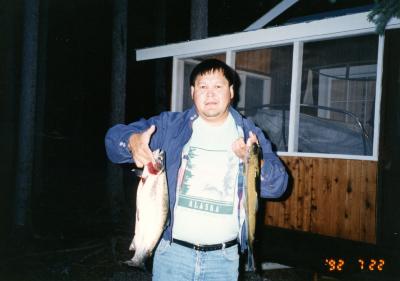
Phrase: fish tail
(251,265)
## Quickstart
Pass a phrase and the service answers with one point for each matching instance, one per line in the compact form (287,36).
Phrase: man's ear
(232,91)
(191,91)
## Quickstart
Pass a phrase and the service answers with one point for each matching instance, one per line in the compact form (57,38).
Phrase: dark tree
(160,67)
(26,128)
(382,12)
(199,19)
(115,186)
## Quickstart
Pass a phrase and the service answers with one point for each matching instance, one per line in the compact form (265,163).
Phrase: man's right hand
(139,147)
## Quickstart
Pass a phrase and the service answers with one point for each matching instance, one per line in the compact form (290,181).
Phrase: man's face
(212,96)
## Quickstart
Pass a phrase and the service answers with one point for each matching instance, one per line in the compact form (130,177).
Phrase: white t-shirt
(206,208)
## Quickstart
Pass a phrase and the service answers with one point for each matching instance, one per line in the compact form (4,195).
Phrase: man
(205,147)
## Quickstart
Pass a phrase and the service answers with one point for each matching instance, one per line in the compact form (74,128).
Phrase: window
(264,95)
(188,65)
(338,96)
(258,84)
(316,96)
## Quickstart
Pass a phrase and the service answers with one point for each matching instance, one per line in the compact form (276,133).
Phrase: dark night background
(69,197)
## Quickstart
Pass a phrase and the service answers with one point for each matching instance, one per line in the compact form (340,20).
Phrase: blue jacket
(173,131)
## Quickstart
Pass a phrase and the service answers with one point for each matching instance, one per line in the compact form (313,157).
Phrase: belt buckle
(197,247)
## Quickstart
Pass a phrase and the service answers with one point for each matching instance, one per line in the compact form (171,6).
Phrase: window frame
(295,34)
(266,95)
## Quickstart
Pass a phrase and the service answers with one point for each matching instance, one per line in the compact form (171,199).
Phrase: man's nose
(210,92)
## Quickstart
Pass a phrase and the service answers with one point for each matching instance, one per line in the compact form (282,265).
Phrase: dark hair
(211,65)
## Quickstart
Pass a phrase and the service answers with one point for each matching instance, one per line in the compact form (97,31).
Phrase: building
(326,92)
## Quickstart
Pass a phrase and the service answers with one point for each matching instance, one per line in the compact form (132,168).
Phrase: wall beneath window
(333,197)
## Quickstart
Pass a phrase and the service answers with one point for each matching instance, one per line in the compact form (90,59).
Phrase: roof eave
(340,26)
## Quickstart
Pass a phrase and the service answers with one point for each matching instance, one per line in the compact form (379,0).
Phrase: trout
(252,179)
(151,210)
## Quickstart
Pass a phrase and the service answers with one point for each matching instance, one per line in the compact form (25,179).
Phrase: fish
(252,181)
(151,210)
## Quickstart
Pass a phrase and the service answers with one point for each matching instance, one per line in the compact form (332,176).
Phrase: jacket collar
(193,115)
(236,116)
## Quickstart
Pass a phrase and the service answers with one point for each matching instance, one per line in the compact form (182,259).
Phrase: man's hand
(139,147)
(240,148)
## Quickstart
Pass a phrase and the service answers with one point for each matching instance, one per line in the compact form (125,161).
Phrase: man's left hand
(240,148)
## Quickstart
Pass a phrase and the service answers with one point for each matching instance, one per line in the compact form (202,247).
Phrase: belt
(205,248)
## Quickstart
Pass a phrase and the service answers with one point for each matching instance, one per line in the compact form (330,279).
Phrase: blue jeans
(173,262)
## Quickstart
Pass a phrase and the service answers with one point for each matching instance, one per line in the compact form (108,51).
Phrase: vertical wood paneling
(353,200)
(306,168)
(368,197)
(338,181)
(323,199)
(333,197)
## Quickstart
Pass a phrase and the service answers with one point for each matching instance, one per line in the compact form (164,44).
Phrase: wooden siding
(256,61)
(332,197)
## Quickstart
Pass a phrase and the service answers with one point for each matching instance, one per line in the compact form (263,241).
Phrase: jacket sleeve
(117,138)
(274,178)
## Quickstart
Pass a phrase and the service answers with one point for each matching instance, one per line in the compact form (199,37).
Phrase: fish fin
(131,263)
(138,172)
(132,246)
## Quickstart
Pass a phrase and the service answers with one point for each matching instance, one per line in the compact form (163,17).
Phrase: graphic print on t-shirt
(209,186)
